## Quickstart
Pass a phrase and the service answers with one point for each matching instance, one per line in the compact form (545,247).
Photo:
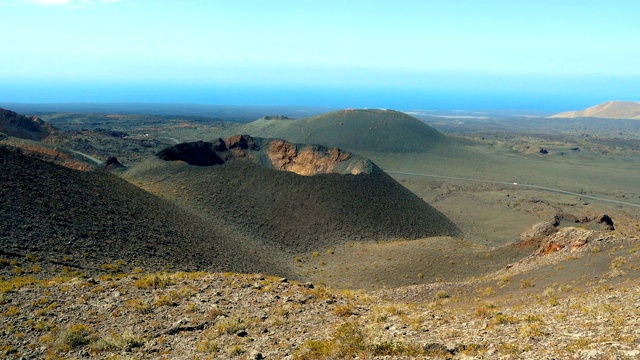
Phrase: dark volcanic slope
(23,127)
(295,213)
(91,218)
(364,130)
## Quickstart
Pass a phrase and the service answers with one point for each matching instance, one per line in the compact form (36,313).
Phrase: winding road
(518,185)
(95,160)
(173,140)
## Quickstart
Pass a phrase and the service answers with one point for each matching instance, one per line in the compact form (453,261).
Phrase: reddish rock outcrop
(571,238)
(272,153)
(551,236)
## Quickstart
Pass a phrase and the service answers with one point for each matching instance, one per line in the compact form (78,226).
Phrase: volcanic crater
(271,153)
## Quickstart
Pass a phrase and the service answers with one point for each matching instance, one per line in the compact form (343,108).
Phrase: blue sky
(464,54)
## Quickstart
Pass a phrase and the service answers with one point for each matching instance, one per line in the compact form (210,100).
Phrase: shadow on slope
(85,219)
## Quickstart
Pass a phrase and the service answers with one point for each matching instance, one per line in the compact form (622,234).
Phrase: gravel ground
(215,315)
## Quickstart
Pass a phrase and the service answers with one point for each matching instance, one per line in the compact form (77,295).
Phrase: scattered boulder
(112,163)
(605,222)
(116,134)
(535,235)
(557,234)
(572,238)
(197,153)
(244,142)
(239,147)
(276,117)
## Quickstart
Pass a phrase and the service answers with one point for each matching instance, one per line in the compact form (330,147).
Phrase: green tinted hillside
(364,130)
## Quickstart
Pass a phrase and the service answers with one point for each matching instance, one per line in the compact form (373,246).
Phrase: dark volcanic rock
(245,142)
(116,134)
(271,153)
(112,163)
(276,117)
(606,222)
(198,153)
(535,235)
(31,128)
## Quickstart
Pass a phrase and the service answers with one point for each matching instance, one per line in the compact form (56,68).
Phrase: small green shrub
(230,325)
(207,346)
(139,305)
(75,336)
(117,342)
(488,291)
(526,283)
(442,294)
(503,319)
(154,281)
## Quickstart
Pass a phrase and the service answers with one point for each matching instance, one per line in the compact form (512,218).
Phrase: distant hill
(609,109)
(364,130)
(24,127)
(281,209)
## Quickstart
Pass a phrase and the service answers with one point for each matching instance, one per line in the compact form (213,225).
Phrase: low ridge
(31,128)
(609,109)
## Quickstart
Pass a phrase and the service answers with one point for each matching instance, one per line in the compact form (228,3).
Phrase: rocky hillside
(89,220)
(609,109)
(24,127)
(232,316)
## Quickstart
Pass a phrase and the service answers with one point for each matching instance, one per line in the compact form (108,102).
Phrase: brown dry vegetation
(215,315)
